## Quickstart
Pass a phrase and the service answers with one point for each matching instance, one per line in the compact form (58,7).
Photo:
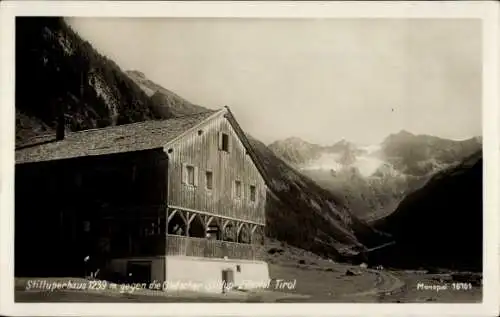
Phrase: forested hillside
(57,70)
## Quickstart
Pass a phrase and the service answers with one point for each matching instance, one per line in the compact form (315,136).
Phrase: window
(209,180)
(190,175)
(237,189)
(253,193)
(78,179)
(134,173)
(224,142)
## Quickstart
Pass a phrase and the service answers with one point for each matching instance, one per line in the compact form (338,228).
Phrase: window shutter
(229,143)
(184,173)
(196,176)
(220,140)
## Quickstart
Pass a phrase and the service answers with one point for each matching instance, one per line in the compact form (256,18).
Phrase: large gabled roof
(116,139)
(127,138)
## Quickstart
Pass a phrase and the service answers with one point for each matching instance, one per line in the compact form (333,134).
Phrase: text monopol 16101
(444,287)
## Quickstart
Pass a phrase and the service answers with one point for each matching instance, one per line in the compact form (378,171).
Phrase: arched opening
(244,234)
(229,232)
(197,228)
(176,225)
(258,235)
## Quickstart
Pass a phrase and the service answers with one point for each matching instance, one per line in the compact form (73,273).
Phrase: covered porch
(182,244)
(201,234)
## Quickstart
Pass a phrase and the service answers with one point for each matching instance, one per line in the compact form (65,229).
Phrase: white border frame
(487,11)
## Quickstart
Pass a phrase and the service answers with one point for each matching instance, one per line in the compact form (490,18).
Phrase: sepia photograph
(229,159)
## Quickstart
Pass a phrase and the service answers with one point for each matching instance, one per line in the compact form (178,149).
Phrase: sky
(318,79)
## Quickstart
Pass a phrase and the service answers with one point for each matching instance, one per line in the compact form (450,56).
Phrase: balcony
(201,247)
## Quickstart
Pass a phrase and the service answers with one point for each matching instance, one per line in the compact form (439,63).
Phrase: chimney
(60,124)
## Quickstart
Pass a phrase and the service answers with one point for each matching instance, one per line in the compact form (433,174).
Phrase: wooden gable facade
(210,170)
(216,191)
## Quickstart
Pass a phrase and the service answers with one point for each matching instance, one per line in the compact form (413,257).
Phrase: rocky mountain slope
(369,198)
(419,155)
(56,68)
(305,215)
(441,224)
(306,155)
(296,151)
(374,179)
(54,64)
(403,152)
(167,99)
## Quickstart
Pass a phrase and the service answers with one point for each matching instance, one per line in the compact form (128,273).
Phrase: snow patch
(370,149)
(327,161)
(366,164)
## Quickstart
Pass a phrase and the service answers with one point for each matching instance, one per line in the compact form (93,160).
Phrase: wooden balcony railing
(190,246)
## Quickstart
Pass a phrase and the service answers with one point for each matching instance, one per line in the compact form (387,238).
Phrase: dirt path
(386,285)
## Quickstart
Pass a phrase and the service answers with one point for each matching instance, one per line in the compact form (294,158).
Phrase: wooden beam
(208,220)
(225,222)
(172,214)
(254,227)
(191,218)
(186,221)
(239,228)
(216,215)
(166,221)
(184,217)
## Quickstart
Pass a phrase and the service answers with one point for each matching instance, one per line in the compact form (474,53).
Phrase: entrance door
(139,272)
(227,280)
